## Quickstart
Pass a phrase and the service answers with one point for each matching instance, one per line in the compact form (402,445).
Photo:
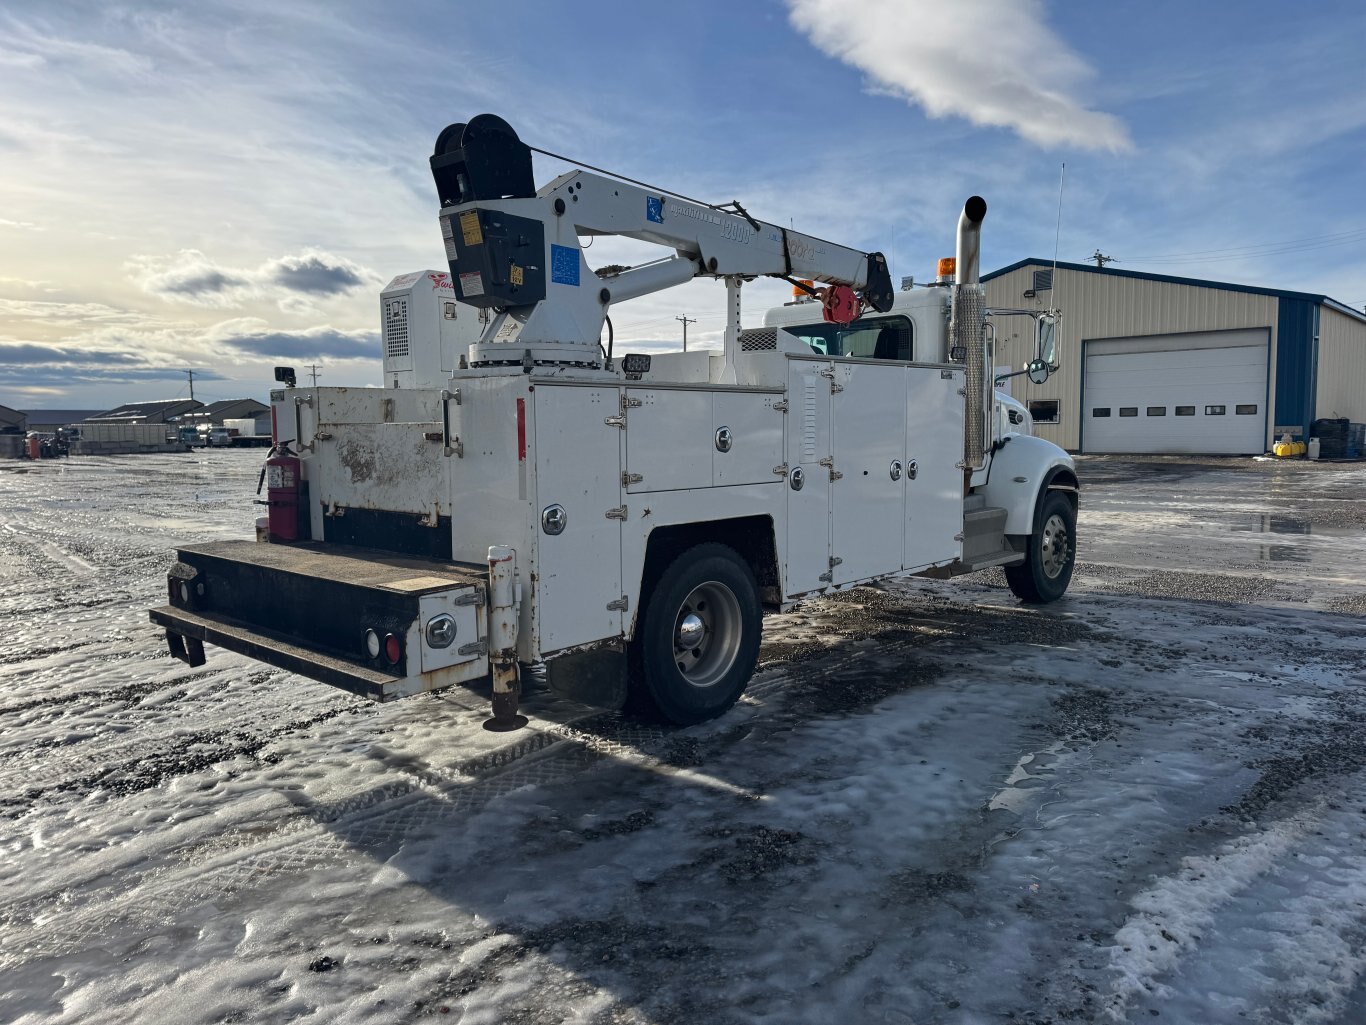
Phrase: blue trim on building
(1297,363)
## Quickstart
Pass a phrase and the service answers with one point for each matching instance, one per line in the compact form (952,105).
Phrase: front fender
(1019,470)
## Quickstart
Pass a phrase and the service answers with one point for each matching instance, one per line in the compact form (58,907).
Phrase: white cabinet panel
(868,414)
(756,433)
(807,439)
(934,481)
(669,439)
(578,466)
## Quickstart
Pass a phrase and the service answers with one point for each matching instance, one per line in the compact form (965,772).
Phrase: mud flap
(189,650)
(597,678)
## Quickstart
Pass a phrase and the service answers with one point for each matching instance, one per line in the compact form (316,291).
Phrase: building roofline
(1171,279)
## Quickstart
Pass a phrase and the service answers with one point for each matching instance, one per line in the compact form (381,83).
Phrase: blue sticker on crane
(564,265)
(654,209)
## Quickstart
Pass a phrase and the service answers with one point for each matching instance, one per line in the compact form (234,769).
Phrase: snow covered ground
(1147,801)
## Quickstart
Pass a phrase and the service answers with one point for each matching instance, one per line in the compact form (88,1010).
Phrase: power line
(1259,248)
(313,369)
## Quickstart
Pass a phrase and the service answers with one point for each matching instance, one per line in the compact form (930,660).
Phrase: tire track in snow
(1298,884)
(318,837)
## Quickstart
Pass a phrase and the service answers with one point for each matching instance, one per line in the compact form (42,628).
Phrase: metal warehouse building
(1152,363)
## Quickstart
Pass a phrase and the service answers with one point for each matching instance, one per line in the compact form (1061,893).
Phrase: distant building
(12,421)
(1164,364)
(235,409)
(48,420)
(159,412)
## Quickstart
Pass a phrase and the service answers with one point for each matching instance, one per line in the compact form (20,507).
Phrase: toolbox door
(577,581)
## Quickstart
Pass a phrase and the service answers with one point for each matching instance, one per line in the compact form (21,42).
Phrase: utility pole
(686,322)
(191,373)
(1101,259)
(313,370)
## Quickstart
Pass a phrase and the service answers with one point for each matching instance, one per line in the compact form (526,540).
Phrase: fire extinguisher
(282,476)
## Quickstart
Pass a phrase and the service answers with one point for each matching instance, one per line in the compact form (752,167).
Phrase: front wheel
(696,647)
(1050,553)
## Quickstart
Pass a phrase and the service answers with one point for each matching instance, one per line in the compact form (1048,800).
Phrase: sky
(226,186)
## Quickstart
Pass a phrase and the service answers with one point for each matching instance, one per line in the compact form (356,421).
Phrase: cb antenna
(1057,234)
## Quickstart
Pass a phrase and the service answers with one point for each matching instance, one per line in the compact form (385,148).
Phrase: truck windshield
(867,338)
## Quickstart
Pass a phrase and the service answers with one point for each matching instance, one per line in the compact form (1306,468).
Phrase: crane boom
(515,249)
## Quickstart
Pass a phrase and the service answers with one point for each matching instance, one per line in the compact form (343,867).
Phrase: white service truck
(519,493)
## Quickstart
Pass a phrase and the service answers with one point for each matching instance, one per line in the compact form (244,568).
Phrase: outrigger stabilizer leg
(507,685)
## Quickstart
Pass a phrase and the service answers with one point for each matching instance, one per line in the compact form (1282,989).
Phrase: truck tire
(1050,553)
(699,639)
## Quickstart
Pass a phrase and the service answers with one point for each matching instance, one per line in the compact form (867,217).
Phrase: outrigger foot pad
(505,718)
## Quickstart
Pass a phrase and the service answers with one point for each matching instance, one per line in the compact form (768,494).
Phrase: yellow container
(1286,449)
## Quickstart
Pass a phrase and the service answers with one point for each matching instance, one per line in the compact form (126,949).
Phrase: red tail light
(393,649)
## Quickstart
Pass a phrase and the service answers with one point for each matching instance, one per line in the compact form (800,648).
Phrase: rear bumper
(254,642)
(317,609)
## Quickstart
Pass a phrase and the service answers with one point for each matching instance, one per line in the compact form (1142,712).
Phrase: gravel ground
(934,805)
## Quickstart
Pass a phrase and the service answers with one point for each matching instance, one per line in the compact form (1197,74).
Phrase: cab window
(867,338)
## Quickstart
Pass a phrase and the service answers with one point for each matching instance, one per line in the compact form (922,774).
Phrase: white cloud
(191,277)
(993,62)
(67,312)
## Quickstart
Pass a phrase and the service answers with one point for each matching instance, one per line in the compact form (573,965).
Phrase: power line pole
(313,370)
(191,373)
(1101,259)
(686,322)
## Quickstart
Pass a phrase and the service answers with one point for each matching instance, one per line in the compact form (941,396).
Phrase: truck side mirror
(1045,341)
(285,375)
(1038,371)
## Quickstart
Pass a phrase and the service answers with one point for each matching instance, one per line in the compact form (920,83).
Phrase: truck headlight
(441,631)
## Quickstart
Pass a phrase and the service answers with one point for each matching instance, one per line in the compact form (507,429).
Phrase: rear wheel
(1050,552)
(698,641)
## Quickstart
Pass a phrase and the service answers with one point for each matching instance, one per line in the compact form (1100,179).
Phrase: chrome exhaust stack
(965,332)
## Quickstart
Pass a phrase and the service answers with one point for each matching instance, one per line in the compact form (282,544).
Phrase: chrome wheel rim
(707,633)
(1057,547)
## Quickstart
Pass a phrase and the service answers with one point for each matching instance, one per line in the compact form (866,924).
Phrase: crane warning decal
(469,228)
(564,265)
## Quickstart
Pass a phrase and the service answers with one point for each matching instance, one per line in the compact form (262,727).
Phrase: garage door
(1202,393)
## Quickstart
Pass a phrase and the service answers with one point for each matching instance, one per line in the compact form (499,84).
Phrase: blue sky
(225,186)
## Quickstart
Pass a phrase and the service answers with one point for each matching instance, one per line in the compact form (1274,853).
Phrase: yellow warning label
(516,274)
(469,227)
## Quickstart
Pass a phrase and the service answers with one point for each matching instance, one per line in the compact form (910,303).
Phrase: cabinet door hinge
(780,406)
(835,560)
(627,479)
(619,513)
(471,597)
(835,475)
(615,421)
(620,605)
(781,469)
(479,647)
(835,386)
(826,577)
(958,536)
(629,403)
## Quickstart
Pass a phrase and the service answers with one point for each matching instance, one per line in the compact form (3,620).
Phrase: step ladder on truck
(518,493)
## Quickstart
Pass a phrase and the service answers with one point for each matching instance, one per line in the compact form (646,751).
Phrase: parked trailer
(516,494)
(245,432)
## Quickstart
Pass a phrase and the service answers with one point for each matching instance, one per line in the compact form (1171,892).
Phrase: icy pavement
(1145,802)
